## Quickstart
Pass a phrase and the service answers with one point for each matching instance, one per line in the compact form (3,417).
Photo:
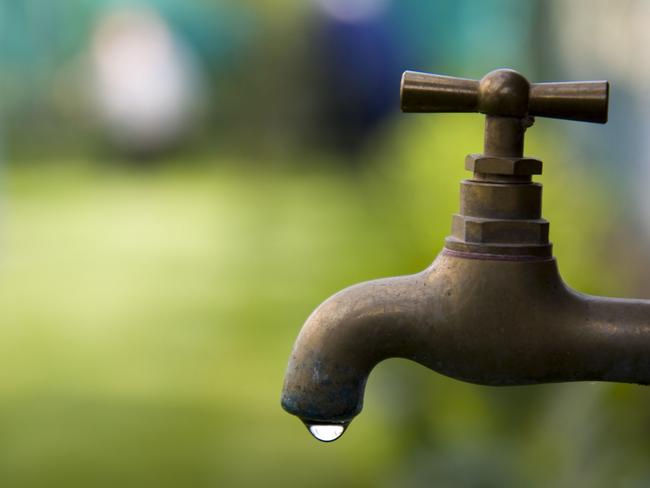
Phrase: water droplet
(326,432)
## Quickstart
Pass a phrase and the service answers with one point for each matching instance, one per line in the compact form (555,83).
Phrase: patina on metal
(492,309)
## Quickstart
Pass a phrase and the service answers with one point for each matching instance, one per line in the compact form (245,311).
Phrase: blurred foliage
(149,316)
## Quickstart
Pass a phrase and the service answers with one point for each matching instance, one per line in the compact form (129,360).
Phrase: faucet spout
(487,321)
(347,335)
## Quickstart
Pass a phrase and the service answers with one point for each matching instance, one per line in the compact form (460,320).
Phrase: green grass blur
(148,317)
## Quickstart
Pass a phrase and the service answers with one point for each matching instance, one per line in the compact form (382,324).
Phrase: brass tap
(492,309)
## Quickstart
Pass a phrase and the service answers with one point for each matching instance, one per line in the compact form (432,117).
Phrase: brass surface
(492,309)
(520,166)
(484,321)
(501,189)
(505,92)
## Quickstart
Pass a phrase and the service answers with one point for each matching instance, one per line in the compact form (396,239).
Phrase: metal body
(486,321)
(492,309)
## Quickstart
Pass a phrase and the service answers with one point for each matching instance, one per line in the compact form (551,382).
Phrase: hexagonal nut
(497,231)
(479,163)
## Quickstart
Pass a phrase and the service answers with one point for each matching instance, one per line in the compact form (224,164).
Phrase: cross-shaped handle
(506,93)
(509,102)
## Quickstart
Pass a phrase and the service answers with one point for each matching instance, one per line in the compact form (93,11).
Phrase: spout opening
(339,406)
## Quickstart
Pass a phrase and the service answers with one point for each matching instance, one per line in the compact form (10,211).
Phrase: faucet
(492,309)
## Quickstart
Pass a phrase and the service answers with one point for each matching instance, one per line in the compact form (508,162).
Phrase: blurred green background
(182,182)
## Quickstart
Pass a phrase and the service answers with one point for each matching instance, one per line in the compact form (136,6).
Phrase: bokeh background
(183,181)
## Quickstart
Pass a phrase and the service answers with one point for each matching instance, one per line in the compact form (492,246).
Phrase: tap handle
(585,101)
(504,92)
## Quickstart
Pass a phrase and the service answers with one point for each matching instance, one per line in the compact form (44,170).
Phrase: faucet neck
(500,206)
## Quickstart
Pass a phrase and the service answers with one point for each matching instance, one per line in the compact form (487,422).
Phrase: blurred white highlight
(143,79)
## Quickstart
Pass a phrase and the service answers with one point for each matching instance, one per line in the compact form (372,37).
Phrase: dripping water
(326,432)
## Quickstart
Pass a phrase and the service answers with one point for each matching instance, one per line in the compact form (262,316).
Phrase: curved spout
(491,322)
(346,336)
